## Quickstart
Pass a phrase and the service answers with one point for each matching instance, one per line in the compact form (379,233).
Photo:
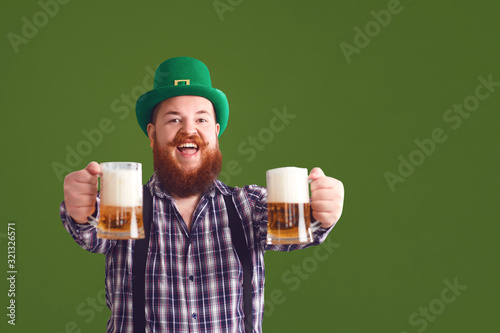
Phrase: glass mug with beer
(289,210)
(120,214)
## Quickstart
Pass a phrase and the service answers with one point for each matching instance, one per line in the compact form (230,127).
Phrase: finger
(89,174)
(85,204)
(73,191)
(316,173)
(84,176)
(78,200)
(322,183)
(93,168)
(325,194)
(81,187)
(327,218)
(325,182)
(82,202)
(326,206)
(321,216)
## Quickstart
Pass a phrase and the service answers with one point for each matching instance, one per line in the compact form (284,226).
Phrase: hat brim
(146,103)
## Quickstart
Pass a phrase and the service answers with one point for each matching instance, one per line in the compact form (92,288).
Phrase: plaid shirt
(193,278)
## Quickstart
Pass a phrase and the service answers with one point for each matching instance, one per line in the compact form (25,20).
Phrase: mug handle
(315,225)
(91,219)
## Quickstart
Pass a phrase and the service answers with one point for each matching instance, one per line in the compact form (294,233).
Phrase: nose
(189,128)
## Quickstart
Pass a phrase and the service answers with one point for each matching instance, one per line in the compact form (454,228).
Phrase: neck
(186,207)
(192,198)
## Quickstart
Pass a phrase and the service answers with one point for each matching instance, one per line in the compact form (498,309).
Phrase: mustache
(183,137)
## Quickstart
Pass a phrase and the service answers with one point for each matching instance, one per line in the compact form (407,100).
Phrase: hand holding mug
(80,192)
(289,205)
(327,198)
(120,198)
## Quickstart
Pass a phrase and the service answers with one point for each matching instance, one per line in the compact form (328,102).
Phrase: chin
(190,169)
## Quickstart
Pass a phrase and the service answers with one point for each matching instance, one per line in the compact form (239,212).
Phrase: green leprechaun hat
(178,77)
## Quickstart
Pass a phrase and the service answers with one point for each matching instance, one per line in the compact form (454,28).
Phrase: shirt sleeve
(260,223)
(85,235)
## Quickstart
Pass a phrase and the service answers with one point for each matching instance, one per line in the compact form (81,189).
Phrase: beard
(179,181)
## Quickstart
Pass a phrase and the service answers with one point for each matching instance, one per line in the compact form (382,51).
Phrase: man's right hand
(80,192)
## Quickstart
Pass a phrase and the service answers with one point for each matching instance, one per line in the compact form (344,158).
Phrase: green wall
(398,100)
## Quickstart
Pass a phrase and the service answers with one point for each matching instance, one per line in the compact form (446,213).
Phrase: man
(193,275)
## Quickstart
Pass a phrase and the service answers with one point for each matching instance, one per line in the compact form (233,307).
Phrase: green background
(394,249)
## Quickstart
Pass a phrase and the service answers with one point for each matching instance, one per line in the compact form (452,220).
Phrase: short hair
(154,114)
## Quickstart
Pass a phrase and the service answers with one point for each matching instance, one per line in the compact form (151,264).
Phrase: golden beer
(120,213)
(285,219)
(117,222)
(288,207)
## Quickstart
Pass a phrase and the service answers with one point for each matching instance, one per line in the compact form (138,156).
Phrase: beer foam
(121,188)
(289,184)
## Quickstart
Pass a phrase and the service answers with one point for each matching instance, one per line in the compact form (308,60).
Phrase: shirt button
(191,278)
(194,315)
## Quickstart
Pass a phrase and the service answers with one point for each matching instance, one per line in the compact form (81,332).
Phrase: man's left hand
(327,198)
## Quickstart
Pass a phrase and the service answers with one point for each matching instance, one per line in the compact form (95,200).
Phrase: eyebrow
(177,112)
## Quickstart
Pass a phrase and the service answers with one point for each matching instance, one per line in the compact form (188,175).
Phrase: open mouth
(188,148)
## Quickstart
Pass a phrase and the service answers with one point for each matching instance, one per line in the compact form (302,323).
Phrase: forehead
(185,105)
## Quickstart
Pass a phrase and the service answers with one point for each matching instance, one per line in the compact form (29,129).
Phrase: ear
(151,134)
(217,129)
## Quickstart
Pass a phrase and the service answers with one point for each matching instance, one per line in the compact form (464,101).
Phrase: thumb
(93,168)
(316,173)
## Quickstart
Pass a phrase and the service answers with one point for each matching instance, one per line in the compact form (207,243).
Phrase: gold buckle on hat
(186,82)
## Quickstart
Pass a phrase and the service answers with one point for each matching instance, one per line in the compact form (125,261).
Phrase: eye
(202,120)
(173,120)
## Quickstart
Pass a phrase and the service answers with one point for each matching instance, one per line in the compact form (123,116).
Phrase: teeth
(188,145)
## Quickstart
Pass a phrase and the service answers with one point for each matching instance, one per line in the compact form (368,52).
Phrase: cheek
(164,138)
(212,141)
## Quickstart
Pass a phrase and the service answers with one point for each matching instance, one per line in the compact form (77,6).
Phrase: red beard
(186,183)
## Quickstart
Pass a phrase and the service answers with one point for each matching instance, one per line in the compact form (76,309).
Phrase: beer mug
(289,210)
(120,213)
